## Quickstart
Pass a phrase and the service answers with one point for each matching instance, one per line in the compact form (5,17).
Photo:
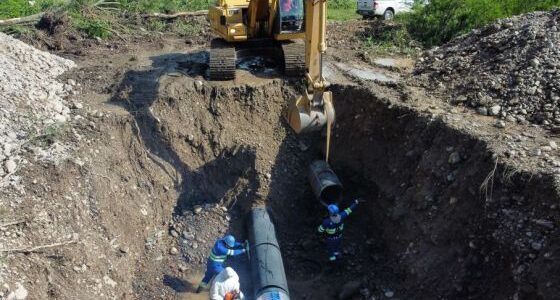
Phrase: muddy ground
(167,162)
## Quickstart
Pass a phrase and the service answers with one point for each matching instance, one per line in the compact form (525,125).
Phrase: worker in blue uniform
(222,249)
(333,226)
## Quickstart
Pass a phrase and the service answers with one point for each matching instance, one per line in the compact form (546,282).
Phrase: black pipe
(324,182)
(269,278)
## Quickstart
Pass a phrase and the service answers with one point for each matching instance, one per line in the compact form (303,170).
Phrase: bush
(342,4)
(18,8)
(441,20)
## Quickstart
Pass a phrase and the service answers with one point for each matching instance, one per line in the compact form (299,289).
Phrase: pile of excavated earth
(509,69)
(32,101)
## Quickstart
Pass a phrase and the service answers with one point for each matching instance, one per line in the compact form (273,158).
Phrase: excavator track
(222,60)
(294,59)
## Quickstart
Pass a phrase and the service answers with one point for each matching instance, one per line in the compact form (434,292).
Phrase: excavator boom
(314,108)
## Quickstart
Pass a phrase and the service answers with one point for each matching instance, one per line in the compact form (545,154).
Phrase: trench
(428,228)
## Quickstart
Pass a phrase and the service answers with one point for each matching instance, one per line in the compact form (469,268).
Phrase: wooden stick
(2,225)
(177,15)
(27,19)
(40,247)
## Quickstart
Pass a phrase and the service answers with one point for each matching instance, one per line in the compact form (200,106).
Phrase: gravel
(509,69)
(31,97)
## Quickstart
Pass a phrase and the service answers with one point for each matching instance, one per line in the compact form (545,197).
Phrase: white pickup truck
(384,8)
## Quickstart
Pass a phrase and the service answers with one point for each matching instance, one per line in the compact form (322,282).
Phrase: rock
(20,293)
(453,200)
(535,63)
(110,282)
(536,246)
(10,166)
(188,236)
(482,111)
(389,294)
(198,84)
(197,209)
(365,292)
(173,251)
(494,110)
(190,137)
(59,118)
(500,124)
(174,233)
(454,158)
(349,290)
(182,268)
(8,149)
(71,82)
(553,145)
(535,152)
(77,105)
(546,148)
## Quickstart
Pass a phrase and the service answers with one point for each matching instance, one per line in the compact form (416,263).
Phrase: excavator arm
(314,109)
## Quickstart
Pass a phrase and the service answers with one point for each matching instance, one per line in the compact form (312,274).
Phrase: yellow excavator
(249,26)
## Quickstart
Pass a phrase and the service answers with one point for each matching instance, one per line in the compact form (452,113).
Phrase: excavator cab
(291,16)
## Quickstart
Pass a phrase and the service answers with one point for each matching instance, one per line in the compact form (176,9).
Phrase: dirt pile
(509,69)
(32,100)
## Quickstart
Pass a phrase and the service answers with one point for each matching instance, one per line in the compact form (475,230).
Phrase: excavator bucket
(304,116)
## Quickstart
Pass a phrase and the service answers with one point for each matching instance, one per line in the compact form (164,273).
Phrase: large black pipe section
(324,182)
(269,278)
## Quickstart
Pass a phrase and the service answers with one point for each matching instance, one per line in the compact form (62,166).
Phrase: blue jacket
(221,251)
(334,229)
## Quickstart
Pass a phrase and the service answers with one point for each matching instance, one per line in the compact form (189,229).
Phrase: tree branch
(37,248)
(177,15)
(27,19)
(10,223)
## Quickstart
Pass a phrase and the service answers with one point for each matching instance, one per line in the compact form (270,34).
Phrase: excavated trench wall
(443,217)
(449,217)
(459,222)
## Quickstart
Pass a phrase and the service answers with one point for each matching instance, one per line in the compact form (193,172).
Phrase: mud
(171,161)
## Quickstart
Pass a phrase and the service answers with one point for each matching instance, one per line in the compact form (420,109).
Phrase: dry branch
(37,248)
(2,225)
(177,15)
(20,20)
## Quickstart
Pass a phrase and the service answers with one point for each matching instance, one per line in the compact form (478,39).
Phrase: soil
(167,162)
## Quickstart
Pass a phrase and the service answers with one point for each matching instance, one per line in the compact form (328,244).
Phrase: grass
(441,20)
(342,14)
(18,8)
(167,6)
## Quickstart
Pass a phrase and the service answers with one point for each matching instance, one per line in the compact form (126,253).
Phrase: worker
(333,227)
(286,6)
(226,286)
(215,264)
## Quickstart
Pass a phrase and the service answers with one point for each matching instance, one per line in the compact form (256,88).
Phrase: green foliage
(15,30)
(187,28)
(393,38)
(156,25)
(441,20)
(167,6)
(342,14)
(93,27)
(342,4)
(18,8)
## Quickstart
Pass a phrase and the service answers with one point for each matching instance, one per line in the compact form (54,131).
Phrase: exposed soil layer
(461,222)
(169,162)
